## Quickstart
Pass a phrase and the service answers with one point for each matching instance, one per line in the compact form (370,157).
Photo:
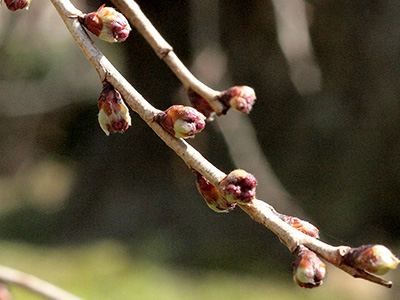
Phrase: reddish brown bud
(199,103)
(14,5)
(303,226)
(376,259)
(308,270)
(107,24)
(241,98)
(239,186)
(113,113)
(181,121)
(211,195)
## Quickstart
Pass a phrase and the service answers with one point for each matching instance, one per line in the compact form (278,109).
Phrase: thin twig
(36,285)
(258,210)
(165,52)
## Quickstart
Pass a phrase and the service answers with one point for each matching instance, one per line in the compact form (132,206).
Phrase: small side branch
(137,18)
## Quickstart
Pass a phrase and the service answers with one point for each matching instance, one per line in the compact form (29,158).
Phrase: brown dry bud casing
(375,259)
(107,24)
(14,5)
(308,270)
(199,103)
(181,121)
(240,98)
(239,186)
(211,195)
(113,113)
(301,225)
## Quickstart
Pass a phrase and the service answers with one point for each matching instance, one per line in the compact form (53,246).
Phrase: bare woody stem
(165,52)
(34,284)
(258,210)
(133,98)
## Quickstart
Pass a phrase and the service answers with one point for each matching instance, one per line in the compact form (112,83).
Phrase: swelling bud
(308,270)
(375,259)
(238,186)
(107,24)
(241,98)
(113,113)
(181,121)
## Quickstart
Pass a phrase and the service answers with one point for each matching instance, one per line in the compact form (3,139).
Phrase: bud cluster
(107,24)
(211,195)
(301,225)
(308,270)
(14,5)
(113,113)
(238,186)
(375,259)
(181,121)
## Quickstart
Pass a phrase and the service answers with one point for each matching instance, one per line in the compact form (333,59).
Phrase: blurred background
(119,217)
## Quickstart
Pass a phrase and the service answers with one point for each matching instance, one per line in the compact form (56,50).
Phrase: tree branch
(34,284)
(256,209)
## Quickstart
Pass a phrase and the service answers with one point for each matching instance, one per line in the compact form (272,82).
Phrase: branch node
(163,52)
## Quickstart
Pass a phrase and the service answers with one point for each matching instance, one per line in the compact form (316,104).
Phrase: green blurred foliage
(105,270)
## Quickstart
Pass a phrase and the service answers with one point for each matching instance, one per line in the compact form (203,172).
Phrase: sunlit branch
(256,209)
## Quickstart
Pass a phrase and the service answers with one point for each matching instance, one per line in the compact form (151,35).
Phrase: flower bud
(211,195)
(181,121)
(308,270)
(301,225)
(14,5)
(199,103)
(241,98)
(375,259)
(113,113)
(238,186)
(107,24)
